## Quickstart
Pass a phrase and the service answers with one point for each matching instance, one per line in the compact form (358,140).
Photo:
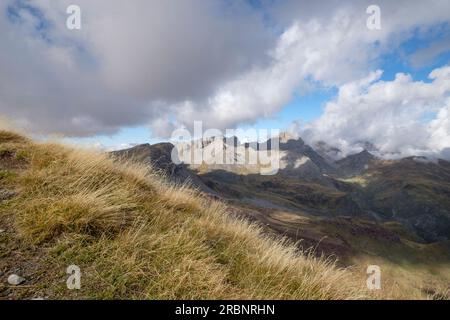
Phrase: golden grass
(407,281)
(136,236)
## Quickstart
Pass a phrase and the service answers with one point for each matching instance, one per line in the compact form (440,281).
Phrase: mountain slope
(348,214)
(354,164)
(414,192)
(158,156)
(297,147)
(135,236)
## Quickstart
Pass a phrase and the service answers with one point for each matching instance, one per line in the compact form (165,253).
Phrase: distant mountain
(297,148)
(354,164)
(159,156)
(329,153)
(413,191)
(367,145)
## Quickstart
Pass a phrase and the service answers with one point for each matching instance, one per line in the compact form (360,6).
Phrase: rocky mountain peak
(355,164)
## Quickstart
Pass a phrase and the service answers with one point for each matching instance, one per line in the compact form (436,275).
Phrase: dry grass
(407,281)
(136,236)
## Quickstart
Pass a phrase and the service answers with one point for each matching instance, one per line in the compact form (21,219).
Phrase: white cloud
(328,49)
(389,114)
(220,62)
(439,129)
(305,54)
(126,59)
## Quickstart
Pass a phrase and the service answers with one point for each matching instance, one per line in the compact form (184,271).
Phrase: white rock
(15,280)
(2,230)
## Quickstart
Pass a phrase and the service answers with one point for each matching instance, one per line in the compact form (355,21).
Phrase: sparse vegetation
(135,236)
(358,180)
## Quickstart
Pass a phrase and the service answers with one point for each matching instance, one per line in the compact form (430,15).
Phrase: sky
(136,71)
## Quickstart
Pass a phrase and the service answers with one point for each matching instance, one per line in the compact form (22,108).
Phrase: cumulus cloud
(166,65)
(304,54)
(325,45)
(126,60)
(390,114)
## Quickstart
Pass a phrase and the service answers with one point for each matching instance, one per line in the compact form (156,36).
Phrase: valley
(359,210)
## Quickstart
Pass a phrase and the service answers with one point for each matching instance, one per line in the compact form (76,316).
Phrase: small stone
(15,280)
(6,194)
(2,230)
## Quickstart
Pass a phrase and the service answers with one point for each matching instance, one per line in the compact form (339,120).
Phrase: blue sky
(302,108)
(306,107)
(399,60)
(135,73)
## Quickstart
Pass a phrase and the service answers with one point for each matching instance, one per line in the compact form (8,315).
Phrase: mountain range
(320,201)
(310,231)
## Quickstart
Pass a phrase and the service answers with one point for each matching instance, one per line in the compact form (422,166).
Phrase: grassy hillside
(135,236)
(410,269)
